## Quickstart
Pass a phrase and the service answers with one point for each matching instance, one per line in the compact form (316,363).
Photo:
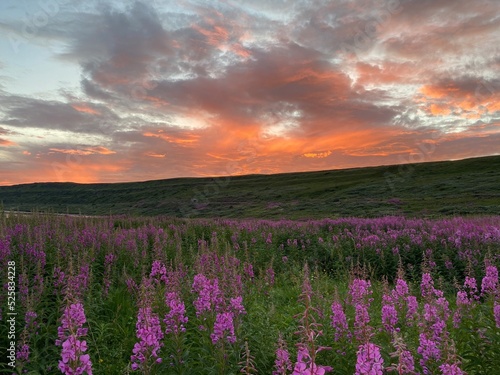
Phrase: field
(434,189)
(118,295)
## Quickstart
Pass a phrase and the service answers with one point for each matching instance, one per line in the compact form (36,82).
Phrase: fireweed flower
(496,313)
(389,317)
(470,285)
(158,272)
(339,321)
(23,353)
(451,369)
(223,328)
(150,334)
(406,363)
(176,318)
(412,309)
(209,295)
(236,305)
(358,290)
(362,330)
(369,361)
(282,363)
(74,361)
(429,350)
(306,366)
(489,284)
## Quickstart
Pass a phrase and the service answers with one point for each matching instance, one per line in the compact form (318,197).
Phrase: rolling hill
(464,187)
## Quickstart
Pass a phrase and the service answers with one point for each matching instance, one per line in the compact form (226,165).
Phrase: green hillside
(464,187)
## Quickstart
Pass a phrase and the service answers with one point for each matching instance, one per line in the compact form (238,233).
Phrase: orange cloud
(84,108)
(154,155)
(6,142)
(439,110)
(86,151)
(318,155)
(185,139)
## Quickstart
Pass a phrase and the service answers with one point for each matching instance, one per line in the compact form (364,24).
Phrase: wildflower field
(120,295)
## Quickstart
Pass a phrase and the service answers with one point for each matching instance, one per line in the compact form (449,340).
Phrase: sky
(112,91)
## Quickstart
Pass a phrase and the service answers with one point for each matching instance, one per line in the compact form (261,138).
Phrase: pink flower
(489,284)
(496,313)
(452,369)
(223,328)
(282,362)
(429,350)
(339,321)
(176,317)
(369,361)
(150,334)
(305,366)
(389,317)
(74,361)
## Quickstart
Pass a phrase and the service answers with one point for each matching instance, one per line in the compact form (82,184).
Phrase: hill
(464,187)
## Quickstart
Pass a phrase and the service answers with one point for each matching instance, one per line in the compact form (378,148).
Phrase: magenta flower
(389,317)
(451,369)
(74,361)
(150,334)
(412,309)
(429,350)
(282,362)
(223,328)
(496,313)
(369,360)
(209,295)
(305,365)
(489,284)
(236,305)
(176,318)
(339,321)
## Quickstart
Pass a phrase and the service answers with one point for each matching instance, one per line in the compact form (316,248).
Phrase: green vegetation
(210,296)
(465,187)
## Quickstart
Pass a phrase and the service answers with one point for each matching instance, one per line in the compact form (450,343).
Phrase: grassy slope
(470,186)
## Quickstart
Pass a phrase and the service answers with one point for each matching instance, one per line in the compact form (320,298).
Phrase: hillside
(470,186)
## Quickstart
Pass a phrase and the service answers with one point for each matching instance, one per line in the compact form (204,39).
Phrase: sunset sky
(108,91)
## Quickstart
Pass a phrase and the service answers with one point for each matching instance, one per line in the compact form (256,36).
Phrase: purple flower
(489,284)
(359,289)
(496,313)
(223,328)
(412,309)
(248,269)
(389,317)
(450,369)
(305,365)
(429,350)
(150,334)
(73,361)
(406,362)
(23,353)
(236,305)
(176,318)
(209,295)
(362,329)
(369,361)
(339,321)
(282,362)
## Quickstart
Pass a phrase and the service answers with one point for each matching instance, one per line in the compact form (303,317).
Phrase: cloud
(234,87)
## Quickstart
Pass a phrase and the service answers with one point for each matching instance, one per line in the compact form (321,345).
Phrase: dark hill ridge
(470,186)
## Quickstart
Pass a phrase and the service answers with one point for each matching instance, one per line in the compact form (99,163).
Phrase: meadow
(124,295)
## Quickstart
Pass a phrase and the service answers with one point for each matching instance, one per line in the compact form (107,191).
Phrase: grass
(435,189)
